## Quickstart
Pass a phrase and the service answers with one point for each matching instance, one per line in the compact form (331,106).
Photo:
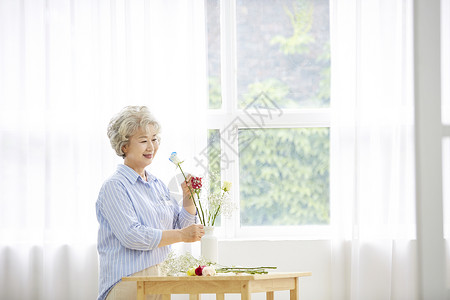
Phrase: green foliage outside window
(215,93)
(284,173)
(301,20)
(284,176)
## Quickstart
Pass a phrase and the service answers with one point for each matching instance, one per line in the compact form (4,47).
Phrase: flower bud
(174,158)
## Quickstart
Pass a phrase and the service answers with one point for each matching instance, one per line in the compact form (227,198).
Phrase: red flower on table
(199,270)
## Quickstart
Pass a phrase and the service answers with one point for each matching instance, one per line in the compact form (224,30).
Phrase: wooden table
(219,285)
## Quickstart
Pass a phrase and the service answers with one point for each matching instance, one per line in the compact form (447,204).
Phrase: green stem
(202,220)
(257,270)
(210,219)
(201,210)
(197,192)
(246,268)
(215,215)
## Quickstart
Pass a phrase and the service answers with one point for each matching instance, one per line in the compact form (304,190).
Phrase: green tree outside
(284,173)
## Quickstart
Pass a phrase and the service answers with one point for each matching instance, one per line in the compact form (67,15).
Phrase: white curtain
(65,68)
(445,98)
(372,138)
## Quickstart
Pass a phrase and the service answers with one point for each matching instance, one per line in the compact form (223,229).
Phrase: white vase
(209,245)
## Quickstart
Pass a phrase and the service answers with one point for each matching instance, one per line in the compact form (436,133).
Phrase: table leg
(194,296)
(245,292)
(294,292)
(269,296)
(220,296)
(140,290)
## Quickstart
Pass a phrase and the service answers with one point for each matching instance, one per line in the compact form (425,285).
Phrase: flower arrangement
(208,204)
(217,202)
(180,264)
(186,264)
(201,271)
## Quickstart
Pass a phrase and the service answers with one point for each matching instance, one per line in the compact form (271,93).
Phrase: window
(268,110)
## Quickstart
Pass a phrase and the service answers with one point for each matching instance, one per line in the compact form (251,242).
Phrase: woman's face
(141,149)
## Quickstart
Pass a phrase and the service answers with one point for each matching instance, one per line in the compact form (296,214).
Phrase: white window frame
(230,114)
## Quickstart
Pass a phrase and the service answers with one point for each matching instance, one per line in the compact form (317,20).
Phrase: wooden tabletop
(220,284)
(220,276)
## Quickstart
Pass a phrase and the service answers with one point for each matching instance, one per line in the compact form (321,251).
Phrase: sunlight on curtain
(445,98)
(372,150)
(446,204)
(65,68)
(445,61)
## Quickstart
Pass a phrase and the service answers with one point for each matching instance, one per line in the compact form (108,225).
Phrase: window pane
(213,42)
(284,176)
(283,51)
(214,164)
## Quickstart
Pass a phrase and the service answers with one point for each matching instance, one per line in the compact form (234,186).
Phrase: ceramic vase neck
(209,230)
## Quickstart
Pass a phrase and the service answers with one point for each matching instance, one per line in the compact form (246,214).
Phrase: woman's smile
(141,149)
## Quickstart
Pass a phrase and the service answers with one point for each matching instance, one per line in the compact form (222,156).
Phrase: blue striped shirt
(132,214)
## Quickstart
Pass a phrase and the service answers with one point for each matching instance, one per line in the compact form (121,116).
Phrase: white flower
(174,158)
(226,186)
(208,271)
(228,205)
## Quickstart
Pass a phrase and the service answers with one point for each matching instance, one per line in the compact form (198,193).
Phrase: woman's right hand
(192,233)
(185,187)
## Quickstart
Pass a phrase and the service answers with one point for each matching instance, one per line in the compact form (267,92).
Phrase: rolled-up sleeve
(117,209)
(184,218)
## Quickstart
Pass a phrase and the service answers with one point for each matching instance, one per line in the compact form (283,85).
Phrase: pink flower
(196,183)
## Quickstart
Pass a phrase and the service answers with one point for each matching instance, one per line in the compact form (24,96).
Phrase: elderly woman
(138,219)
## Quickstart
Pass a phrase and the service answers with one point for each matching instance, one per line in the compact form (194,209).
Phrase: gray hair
(123,125)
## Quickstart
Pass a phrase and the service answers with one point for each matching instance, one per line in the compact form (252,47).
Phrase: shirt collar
(131,175)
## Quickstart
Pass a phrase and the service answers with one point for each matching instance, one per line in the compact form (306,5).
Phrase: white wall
(287,256)
(295,256)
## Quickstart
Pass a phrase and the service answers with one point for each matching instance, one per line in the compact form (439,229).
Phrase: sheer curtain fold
(372,138)
(65,68)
